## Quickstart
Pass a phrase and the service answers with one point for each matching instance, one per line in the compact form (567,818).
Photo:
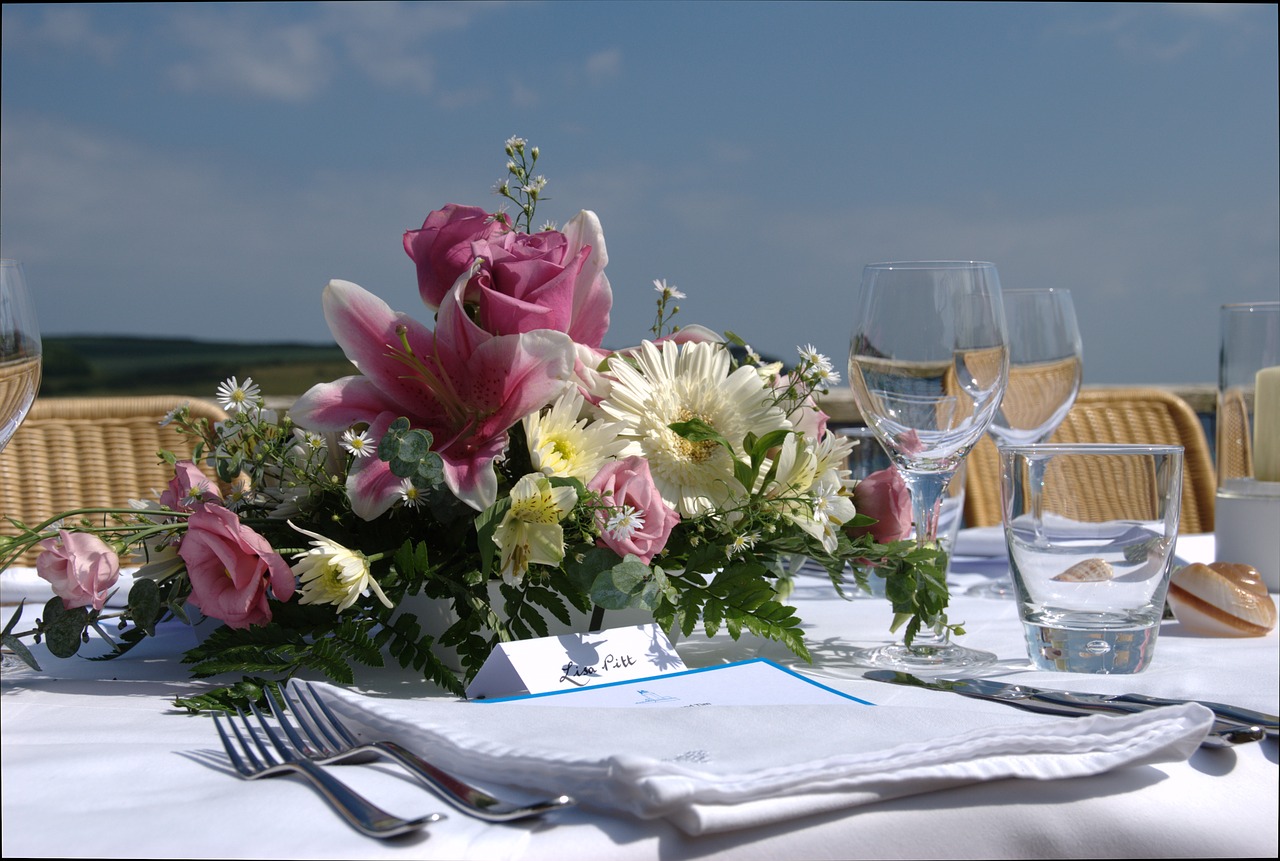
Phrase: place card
(753,682)
(574,661)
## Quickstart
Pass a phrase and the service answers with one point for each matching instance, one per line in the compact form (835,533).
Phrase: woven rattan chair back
(1123,415)
(90,452)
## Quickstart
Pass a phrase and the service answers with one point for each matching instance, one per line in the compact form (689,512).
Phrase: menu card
(754,682)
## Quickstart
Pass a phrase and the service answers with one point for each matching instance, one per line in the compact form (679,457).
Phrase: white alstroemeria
(329,573)
(160,553)
(831,508)
(795,469)
(530,532)
(236,397)
(671,383)
(563,444)
(832,452)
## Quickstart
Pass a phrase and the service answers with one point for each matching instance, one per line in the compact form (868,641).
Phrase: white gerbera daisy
(562,444)
(236,397)
(675,383)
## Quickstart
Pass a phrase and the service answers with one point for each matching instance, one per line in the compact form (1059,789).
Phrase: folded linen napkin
(717,768)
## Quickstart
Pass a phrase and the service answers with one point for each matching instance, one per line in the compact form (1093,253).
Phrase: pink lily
(461,383)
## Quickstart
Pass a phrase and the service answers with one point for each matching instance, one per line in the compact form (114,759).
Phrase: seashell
(1088,571)
(1223,599)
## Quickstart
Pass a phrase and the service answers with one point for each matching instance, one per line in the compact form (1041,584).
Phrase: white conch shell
(1223,599)
(1087,571)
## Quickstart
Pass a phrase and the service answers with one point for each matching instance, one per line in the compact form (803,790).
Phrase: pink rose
(642,530)
(81,568)
(231,568)
(546,280)
(883,495)
(188,486)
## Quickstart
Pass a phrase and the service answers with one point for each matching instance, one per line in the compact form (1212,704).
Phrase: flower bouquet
(502,462)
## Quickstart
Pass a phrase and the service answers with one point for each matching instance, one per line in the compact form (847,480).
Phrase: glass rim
(1249,306)
(1092,448)
(930,264)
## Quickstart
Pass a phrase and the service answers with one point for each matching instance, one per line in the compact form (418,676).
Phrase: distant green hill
(100,365)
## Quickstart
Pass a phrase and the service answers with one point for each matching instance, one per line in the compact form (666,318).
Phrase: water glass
(1090,530)
(1248,439)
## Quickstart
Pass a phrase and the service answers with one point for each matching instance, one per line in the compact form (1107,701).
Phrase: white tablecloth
(96,761)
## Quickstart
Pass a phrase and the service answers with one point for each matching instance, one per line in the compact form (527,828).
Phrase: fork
(359,812)
(334,742)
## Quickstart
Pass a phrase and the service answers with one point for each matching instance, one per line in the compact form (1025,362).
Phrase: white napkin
(717,768)
(986,541)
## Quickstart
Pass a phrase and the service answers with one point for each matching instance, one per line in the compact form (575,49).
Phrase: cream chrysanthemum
(563,444)
(675,383)
(329,573)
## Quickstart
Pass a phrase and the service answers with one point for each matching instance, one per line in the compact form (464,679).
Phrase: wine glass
(19,349)
(928,364)
(1045,368)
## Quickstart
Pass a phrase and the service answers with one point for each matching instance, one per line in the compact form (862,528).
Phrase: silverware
(1225,731)
(252,759)
(335,743)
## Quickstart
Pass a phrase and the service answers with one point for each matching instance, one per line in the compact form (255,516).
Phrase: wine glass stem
(927,490)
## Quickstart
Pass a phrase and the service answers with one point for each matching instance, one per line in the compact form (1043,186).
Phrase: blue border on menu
(779,667)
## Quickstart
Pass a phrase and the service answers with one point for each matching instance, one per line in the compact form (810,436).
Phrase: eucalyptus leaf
(63,629)
(624,585)
(144,603)
(20,650)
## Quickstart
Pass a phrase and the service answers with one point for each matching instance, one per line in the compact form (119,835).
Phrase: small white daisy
(410,495)
(516,143)
(359,444)
(237,397)
(624,522)
(173,413)
(815,359)
(669,291)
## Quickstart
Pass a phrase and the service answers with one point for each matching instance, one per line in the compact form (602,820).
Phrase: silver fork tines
(253,759)
(331,741)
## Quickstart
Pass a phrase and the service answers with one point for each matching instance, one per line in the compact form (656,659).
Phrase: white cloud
(61,28)
(603,66)
(1159,32)
(236,54)
(252,50)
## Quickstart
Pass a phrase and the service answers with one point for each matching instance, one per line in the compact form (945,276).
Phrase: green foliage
(231,697)
(407,453)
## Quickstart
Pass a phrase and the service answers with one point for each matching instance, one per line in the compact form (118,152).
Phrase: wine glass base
(994,589)
(942,657)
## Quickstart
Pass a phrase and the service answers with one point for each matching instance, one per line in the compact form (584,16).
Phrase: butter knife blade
(1128,702)
(1039,699)
(1023,702)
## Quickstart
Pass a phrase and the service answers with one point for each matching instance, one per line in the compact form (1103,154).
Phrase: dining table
(97,760)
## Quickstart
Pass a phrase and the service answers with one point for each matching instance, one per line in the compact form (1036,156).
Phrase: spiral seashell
(1222,599)
(1088,571)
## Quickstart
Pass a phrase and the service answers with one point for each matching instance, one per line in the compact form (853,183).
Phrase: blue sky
(204,169)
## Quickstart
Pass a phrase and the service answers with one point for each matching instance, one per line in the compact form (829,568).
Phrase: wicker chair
(89,452)
(1125,415)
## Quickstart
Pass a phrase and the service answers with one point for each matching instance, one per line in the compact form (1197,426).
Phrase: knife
(1230,721)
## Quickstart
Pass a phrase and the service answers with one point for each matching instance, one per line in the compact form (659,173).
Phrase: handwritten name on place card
(574,661)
